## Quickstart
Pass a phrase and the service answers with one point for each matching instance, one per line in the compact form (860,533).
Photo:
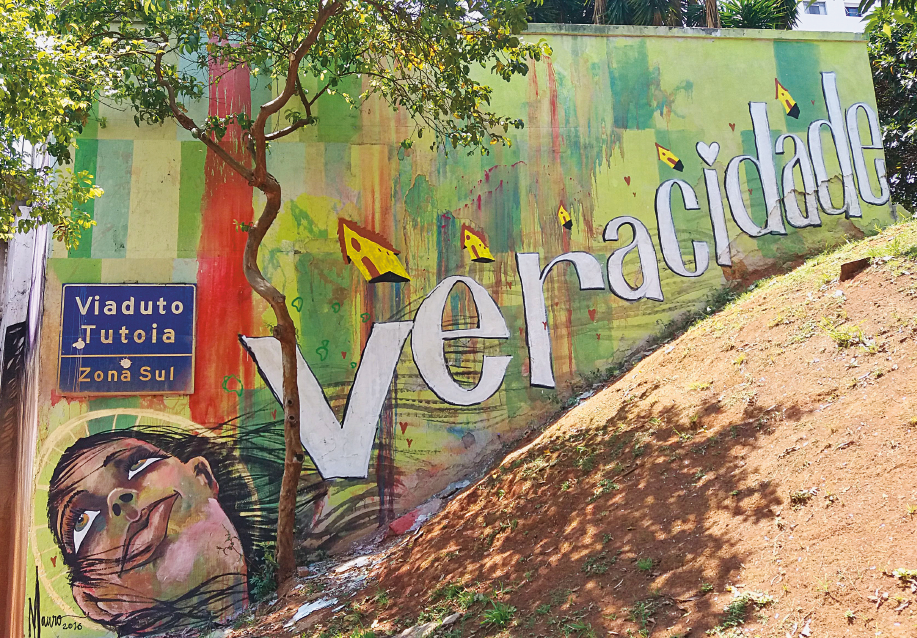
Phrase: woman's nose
(124,503)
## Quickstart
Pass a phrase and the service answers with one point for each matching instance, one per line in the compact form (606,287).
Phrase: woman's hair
(247,465)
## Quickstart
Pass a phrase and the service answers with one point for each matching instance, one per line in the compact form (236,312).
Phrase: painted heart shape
(343,355)
(592,314)
(627,179)
(708,153)
(273,414)
(598,337)
(404,426)
(410,441)
(732,125)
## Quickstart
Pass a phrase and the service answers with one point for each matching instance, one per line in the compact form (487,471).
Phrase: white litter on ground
(308,608)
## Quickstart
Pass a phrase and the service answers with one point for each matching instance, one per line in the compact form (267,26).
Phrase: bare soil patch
(769,451)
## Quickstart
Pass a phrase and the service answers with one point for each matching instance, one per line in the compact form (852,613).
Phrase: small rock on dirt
(448,620)
(419,631)
(852,268)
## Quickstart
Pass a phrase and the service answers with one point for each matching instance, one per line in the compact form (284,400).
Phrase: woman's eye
(83,523)
(139,466)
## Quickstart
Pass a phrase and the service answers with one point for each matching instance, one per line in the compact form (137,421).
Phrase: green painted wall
(594,114)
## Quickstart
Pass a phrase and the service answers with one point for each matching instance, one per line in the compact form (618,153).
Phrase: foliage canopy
(739,14)
(759,14)
(47,86)
(893,55)
(418,56)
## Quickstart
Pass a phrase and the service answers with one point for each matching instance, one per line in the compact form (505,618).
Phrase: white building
(831,15)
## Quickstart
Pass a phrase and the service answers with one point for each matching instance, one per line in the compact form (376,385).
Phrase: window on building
(817,9)
(853,12)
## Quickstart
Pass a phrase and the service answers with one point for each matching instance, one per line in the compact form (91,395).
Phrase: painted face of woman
(140,527)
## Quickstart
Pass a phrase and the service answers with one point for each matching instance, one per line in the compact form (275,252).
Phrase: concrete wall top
(619,31)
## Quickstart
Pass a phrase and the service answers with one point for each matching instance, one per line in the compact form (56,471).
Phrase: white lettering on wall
(767,170)
(709,153)
(859,159)
(800,160)
(429,338)
(835,124)
(650,288)
(338,451)
(668,240)
(538,336)
(343,451)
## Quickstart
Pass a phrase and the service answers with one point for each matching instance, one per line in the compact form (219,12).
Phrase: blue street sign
(127,339)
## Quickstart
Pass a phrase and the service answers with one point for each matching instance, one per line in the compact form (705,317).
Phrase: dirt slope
(770,449)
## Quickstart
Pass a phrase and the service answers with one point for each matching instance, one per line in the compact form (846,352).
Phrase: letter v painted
(338,451)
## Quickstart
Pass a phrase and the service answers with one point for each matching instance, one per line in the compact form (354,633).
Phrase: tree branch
(301,122)
(295,126)
(309,103)
(190,125)
(325,12)
(302,97)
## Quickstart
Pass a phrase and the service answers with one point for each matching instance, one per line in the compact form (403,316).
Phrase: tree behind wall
(759,14)
(892,43)
(673,13)
(47,85)
(417,56)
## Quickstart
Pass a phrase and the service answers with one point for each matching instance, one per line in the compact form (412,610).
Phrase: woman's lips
(145,535)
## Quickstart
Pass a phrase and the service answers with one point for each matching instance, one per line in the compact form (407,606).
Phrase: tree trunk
(713,14)
(598,12)
(285,333)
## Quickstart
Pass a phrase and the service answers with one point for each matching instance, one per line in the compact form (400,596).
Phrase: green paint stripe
(87,154)
(109,423)
(77,271)
(191,192)
(113,208)
(799,71)
(91,128)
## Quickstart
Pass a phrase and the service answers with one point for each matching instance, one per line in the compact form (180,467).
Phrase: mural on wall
(22,271)
(784,97)
(375,258)
(156,526)
(475,242)
(443,305)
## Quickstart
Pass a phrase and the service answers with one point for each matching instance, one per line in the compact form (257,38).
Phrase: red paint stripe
(224,296)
